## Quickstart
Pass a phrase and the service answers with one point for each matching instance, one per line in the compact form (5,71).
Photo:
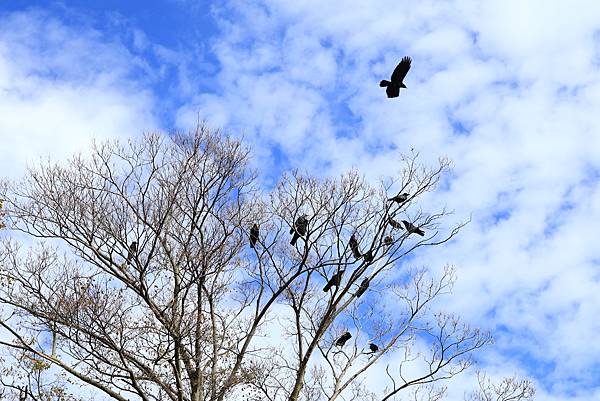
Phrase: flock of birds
(300,226)
(300,229)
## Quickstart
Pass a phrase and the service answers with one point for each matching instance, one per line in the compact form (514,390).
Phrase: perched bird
(393,87)
(132,251)
(342,340)
(412,229)
(389,240)
(373,347)
(362,288)
(395,224)
(334,281)
(368,257)
(254,235)
(400,198)
(354,247)
(299,229)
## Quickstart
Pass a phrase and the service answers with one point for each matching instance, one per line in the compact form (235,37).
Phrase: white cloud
(62,85)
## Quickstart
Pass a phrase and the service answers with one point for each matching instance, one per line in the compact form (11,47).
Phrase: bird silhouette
(354,247)
(373,347)
(389,240)
(400,198)
(254,234)
(412,229)
(342,340)
(362,288)
(334,281)
(393,87)
(395,224)
(299,229)
(368,257)
(132,251)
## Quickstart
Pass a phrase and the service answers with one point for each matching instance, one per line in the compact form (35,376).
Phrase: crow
(412,229)
(393,87)
(354,247)
(299,229)
(132,251)
(362,288)
(342,340)
(395,224)
(400,198)
(334,281)
(389,240)
(254,235)
(373,347)
(368,257)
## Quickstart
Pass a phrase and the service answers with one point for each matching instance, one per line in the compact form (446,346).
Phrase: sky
(509,90)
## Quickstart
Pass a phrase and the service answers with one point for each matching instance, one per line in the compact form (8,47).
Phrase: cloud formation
(61,85)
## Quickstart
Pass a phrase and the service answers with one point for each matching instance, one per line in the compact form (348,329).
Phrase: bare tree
(143,285)
(509,389)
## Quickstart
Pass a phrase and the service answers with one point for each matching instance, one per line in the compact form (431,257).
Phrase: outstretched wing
(401,70)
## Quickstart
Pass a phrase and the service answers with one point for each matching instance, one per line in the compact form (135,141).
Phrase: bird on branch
(299,229)
(254,234)
(412,229)
(340,342)
(354,247)
(400,198)
(334,281)
(132,252)
(395,224)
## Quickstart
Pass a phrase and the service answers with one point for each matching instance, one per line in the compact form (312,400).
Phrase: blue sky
(509,90)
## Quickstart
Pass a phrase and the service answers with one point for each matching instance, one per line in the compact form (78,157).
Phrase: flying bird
(342,340)
(400,198)
(354,247)
(362,288)
(395,224)
(334,281)
(393,87)
(368,257)
(299,229)
(132,251)
(373,347)
(254,234)
(412,229)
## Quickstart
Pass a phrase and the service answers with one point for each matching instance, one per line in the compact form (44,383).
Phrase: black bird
(254,235)
(299,229)
(354,247)
(393,87)
(389,240)
(342,340)
(362,288)
(373,347)
(334,281)
(395,224)
(412,229)
(368,257)
(132,251)
(400,198)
